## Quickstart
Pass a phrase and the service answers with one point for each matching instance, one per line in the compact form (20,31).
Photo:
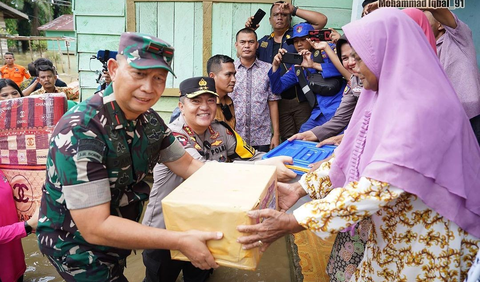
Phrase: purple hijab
(413,132)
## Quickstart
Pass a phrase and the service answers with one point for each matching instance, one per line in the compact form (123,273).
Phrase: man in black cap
(100,152)
(206,139)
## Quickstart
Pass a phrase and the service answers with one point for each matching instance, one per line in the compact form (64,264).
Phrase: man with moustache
(99,154)
(256,107)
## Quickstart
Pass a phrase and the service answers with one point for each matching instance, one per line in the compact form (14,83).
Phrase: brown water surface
(274,266)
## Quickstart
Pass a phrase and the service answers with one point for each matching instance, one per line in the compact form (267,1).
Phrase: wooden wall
(54,45)
(98,25)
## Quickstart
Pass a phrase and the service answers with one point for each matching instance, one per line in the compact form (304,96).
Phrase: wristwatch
(28,228)
(294,12)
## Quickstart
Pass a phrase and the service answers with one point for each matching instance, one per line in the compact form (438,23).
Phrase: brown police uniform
(218,143)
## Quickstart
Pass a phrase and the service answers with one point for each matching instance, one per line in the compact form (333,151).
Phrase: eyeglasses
(226,112)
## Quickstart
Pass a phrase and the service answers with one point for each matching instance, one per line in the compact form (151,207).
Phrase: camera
(292,58)
(103,56)
(320,35)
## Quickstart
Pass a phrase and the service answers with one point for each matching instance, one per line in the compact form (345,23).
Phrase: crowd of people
(400,191)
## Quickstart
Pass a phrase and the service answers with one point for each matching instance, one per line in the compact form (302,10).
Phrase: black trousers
(161,268)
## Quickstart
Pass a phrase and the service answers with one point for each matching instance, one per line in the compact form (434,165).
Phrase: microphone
(207,145)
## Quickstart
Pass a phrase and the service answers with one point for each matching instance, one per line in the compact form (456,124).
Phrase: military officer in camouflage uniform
(99,154)
(205,139)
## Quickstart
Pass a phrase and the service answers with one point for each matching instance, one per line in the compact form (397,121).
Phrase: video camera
(103,56)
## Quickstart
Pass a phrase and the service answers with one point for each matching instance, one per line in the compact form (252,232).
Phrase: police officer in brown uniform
(205,139)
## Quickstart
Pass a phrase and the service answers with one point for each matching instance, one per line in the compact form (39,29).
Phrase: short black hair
(31,69)
(43,64)
(246,30)
(40,68)
(214,63)
(9,53)
(4,82)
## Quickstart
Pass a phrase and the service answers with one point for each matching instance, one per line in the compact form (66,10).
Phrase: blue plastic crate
(302,152)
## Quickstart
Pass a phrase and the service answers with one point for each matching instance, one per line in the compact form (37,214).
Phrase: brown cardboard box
(217,198)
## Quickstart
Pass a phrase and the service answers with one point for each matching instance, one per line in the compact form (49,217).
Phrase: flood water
(274,266)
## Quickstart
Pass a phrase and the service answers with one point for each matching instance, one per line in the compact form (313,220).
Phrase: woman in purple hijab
(409,160)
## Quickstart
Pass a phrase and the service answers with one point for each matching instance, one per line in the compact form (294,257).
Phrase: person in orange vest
(13,71)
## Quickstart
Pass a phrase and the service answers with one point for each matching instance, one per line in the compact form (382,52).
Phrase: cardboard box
(217,198)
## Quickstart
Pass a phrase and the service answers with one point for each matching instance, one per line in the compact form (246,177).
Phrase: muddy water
(274,266)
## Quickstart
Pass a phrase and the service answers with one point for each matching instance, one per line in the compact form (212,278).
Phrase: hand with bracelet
(31,224)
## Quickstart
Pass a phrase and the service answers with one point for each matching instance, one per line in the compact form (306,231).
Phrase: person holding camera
(313,72)
(293,108)
(106,80)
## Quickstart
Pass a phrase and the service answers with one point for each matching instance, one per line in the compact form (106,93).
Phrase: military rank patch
(264,44)
(90,149)
(216,143)
(181,138)
(213,134)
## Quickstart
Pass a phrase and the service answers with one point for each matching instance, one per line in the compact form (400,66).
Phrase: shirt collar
(239,64)
(116,115)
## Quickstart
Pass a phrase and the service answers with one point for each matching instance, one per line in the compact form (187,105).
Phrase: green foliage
(39,45)
(53,56)
(39,13)
(11,25)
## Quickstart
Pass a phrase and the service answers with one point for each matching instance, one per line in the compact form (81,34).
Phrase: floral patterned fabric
(408,240)
(474,272)
(347,252)
(251,96)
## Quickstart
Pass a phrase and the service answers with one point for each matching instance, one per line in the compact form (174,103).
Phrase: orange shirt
(15,73)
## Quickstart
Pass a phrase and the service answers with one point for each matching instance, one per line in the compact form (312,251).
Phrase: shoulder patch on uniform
(264,44)
(90,149)
(181,138)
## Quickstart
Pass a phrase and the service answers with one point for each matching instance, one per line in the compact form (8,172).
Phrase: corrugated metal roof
(62,23)
(11,13)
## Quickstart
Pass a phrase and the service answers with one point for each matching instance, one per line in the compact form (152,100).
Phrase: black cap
(366,2)
(192,87)
(342,40)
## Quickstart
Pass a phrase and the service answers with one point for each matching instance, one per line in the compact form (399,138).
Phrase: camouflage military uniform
(97,156)
(219,143)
